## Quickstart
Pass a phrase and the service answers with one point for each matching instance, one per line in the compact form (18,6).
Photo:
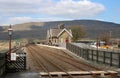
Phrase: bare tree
(78,32)
(105,37)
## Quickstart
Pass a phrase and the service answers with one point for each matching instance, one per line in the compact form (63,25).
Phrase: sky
(21,11)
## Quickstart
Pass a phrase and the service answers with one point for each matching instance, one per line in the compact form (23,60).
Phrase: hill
(38,30)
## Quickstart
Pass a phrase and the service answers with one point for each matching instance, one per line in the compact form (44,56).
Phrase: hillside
(93,28)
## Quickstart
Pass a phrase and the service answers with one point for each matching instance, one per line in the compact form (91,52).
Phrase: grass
(4,45)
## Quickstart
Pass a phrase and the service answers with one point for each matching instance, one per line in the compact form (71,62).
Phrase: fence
(2,64)
(105,57)
(7,66)
(18,65)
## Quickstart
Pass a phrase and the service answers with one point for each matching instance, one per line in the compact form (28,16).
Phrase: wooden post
(111,58)
(83,53)
(97,55)
(77,51)
(80,51)
(104,56)
(119,60)
(87,54)
(92,54)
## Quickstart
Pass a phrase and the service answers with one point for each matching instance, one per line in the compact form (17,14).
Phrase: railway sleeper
(101,74)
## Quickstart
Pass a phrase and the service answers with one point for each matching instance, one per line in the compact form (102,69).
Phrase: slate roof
(56,32)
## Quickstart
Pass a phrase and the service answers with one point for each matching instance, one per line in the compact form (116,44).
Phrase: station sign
(13,56)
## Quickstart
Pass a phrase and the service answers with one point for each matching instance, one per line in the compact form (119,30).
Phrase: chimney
(61,26)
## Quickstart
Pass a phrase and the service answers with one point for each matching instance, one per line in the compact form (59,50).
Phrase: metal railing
(101,56)
(7,66)
(16,66)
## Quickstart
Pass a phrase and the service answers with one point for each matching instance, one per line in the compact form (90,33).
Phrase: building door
(67,40)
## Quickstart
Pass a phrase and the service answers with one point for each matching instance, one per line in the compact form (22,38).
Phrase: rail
(38,62)
(47,55)
(105,57)
(48,60)
(78,64)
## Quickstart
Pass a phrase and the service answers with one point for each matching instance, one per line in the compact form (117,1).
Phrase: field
(4,45)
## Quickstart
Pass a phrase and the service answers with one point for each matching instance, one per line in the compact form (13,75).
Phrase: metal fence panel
(105,57)
(18,65)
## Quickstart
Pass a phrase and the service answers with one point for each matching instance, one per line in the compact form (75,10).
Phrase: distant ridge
(94,28)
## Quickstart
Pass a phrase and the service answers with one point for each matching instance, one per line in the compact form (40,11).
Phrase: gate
(18,65)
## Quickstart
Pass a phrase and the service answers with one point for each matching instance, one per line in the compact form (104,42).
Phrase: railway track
(40,63)
(72,61)
(50,61)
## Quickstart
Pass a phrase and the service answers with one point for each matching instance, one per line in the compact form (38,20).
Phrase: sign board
(13,56)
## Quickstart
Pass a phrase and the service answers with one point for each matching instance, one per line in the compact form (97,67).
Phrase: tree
(78,32)
(105,37)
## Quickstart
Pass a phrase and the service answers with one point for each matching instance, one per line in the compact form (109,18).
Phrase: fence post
(97,55)
(111,58)
(69,46)
(92,55)
(104,56)
(87,54)
(78,51)
(66,45)
(119,60)
(72,48)
(83,53)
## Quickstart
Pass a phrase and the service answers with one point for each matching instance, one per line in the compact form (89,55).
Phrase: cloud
(50,7)
(73,9)
(20,19)
(13,7)
(23,10)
